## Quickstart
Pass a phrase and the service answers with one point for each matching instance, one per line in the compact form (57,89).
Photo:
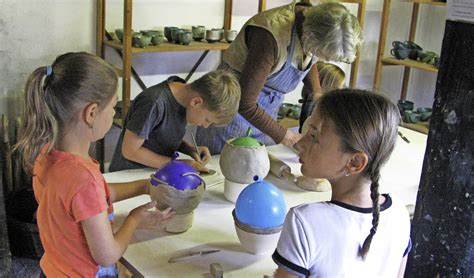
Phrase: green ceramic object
(246,141)
(157,39)
(425,113)
(285,109)
(295,112)
(141,40)
(411,116)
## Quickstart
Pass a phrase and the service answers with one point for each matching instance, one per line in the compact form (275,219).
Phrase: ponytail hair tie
(49,70)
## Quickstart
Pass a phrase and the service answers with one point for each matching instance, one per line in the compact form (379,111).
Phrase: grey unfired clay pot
(183,202)
(241,164)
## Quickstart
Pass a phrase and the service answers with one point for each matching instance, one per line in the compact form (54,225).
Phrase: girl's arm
(106,247)
(125,190)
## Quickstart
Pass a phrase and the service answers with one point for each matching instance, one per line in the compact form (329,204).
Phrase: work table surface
(213,226)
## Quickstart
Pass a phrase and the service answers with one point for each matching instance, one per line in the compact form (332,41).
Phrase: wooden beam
(228,15)
(381,46)
(100,28)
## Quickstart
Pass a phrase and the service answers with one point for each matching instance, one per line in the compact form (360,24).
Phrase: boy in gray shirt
(155,124)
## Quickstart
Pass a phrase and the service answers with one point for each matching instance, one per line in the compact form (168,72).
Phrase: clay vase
(240,161)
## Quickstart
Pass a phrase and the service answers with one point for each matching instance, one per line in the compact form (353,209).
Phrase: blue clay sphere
(180,175)
(261,205)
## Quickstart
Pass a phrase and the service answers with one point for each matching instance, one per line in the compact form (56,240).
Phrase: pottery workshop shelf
(407,64)
(430,2)
(171,47)
(383,60)
(390,61)
(422,127)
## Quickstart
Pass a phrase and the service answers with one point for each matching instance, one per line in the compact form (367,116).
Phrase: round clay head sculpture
(258,216)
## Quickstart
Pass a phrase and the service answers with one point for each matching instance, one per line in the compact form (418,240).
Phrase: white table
(213,226)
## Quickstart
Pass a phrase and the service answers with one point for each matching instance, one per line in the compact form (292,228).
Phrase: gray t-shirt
(156,116)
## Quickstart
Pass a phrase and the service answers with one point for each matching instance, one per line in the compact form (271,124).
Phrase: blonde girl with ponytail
(69,105)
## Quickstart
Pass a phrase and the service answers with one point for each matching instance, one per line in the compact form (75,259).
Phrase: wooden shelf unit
(406,63)
(127,50)
(171,47)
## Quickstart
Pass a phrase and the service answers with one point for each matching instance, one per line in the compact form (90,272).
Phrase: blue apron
(270,98)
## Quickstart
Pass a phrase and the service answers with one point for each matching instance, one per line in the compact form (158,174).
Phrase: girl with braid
(359,232)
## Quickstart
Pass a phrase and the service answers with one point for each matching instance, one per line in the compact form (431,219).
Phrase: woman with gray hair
(274,51)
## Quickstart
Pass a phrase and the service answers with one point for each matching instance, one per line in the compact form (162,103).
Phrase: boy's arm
(132,149)
(186,148)
(125,190)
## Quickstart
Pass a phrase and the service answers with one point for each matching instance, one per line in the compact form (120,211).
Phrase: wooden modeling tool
(190,255)
(280,168)
(208,174)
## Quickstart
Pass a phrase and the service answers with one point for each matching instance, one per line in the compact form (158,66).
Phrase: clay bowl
(230,35)
(185,37)
(175,35)
(141,41)
(167,32)
(157,39)
(411,116)
(295,112)
(425,113)
(212,36)
(199,32)
(285,109)
(404,105)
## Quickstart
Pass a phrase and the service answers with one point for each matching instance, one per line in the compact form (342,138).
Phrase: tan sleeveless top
(279,22)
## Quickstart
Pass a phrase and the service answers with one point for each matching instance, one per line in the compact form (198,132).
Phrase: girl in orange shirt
(69,105)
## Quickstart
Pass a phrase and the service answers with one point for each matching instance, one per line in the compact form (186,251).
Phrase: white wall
(34,32)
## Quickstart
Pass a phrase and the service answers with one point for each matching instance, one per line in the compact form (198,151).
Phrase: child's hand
(290,139)
(196,165)
(203,156)
(150,218)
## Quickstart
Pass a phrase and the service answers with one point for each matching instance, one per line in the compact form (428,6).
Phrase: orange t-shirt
(68,189)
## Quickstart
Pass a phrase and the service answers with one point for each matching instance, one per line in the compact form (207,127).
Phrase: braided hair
(366,122)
